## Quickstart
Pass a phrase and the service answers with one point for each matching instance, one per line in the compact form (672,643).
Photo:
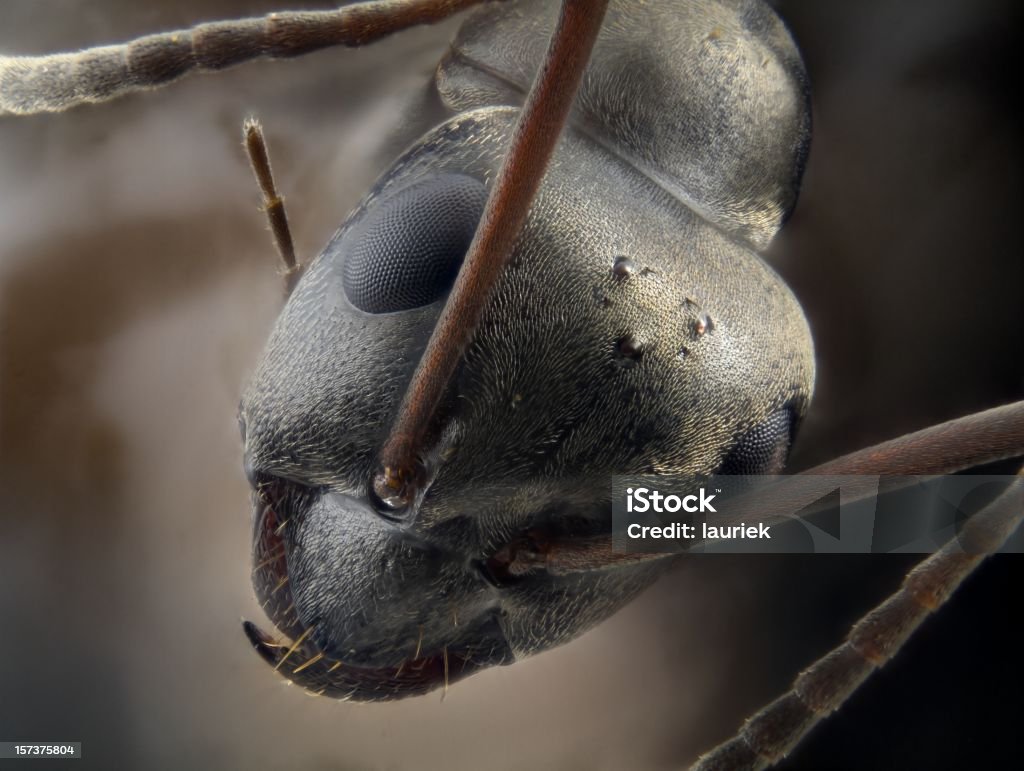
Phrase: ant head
(627,335)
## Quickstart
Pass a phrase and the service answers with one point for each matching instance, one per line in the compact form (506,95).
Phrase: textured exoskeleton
(636,330)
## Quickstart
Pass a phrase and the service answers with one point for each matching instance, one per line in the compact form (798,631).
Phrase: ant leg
(33,84)
(823,687)
(273,204)
(398,479)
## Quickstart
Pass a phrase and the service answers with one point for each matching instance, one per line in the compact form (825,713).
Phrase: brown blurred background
(137,285)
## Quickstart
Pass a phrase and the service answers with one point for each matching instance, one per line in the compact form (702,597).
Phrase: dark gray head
(632,333)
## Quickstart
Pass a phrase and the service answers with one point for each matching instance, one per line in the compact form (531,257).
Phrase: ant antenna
(55,82)
(398,478)
(273,204)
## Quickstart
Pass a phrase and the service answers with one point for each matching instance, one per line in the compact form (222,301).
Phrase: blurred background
(137,284)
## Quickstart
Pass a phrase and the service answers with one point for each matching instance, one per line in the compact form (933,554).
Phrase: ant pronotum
(976,321)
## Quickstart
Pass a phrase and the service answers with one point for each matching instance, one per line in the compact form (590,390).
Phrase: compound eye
(764,448)
(408,248)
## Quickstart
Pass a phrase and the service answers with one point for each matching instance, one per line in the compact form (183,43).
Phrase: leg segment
(823,687)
